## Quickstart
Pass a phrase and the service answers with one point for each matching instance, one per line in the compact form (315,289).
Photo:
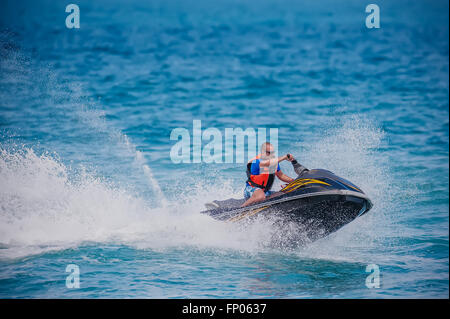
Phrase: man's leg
(258,195)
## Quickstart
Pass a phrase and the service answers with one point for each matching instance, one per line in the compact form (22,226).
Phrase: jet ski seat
(228,203)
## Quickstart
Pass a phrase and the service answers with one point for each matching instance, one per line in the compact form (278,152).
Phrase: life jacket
(264,180)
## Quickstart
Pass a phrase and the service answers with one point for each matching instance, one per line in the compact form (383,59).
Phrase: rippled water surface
(86,176)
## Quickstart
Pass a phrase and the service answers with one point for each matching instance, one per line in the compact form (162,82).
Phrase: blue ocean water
(86,176)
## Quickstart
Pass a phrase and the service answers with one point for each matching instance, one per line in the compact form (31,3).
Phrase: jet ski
(318,201)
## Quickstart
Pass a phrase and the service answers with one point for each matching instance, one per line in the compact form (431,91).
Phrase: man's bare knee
(259,195)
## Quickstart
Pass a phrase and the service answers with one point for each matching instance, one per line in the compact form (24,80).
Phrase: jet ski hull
(318,201)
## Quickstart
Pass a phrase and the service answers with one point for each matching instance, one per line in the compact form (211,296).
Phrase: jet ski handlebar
(298,168)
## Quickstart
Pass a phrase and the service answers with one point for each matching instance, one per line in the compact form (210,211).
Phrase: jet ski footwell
(318,201)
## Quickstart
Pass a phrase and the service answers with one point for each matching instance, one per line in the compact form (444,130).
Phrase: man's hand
(289,157)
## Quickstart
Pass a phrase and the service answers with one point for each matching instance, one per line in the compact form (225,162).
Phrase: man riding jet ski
(317,200)
(261,173)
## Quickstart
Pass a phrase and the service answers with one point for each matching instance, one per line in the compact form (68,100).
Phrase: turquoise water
(86,176)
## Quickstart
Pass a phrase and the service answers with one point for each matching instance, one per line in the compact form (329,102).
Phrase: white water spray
(44,208)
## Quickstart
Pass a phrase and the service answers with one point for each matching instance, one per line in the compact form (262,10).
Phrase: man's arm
(272,161)
(283,177)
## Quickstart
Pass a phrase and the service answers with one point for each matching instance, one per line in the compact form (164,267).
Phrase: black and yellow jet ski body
(317,199)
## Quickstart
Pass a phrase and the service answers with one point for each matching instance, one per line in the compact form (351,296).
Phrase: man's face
(269,152)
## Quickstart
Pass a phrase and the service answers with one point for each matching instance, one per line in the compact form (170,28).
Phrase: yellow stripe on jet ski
(301,182)
(352,187)
(247,214)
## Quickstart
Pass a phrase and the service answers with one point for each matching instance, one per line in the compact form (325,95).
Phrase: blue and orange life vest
(260,176)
